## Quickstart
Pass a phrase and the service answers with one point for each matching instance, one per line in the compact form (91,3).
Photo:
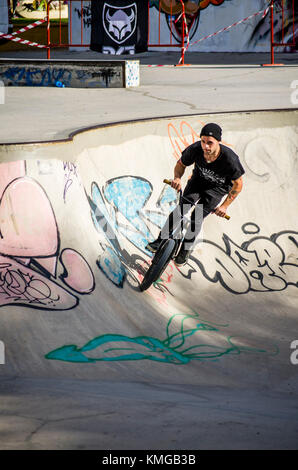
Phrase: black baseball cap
(213,130)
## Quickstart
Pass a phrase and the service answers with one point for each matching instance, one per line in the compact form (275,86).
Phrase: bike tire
(159,263)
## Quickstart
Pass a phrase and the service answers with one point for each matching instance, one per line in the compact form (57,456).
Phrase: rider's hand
(176,184)
(220,211)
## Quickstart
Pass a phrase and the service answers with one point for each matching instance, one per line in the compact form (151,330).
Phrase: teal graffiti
(176,348)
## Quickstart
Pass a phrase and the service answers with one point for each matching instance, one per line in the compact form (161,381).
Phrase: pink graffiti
(28,225)
(159,288)
(77,273)
(9,172)
(29,237)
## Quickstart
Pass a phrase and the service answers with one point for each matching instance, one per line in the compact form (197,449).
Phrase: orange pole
(82,24)
(148,41)
(159,22)
(294,39)
(70,19)
(48,31)
(60,21)
(171,24)
(272,31)
(283,21)
(183,33)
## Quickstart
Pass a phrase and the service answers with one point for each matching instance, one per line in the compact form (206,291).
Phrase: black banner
(119,26)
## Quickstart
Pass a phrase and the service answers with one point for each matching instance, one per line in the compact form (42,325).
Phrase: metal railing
(83,12)
(281,28)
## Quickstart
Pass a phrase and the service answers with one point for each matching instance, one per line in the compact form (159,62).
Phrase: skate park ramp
(205,357)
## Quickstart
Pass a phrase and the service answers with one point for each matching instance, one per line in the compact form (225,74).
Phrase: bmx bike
(169,248)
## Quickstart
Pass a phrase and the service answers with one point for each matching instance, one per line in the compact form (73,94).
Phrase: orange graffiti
(185,136)
(178,139)
(174,7)
(206,3)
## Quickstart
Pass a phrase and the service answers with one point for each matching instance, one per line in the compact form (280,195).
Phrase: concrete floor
(164,91)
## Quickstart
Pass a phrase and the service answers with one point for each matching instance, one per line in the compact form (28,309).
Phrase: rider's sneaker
(153,246)
(182,257)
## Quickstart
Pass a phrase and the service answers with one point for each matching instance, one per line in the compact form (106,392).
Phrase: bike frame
(169,247)
(178,228)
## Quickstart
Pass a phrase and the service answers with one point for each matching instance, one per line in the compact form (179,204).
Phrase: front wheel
(159,263)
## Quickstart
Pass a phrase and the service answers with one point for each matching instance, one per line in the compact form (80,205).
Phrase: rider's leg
(166,231)
(174,217)
(209,200)
(189,197)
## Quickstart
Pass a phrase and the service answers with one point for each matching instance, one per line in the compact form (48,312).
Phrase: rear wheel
(159,263)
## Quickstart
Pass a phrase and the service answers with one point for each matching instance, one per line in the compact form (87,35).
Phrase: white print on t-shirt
(211,176)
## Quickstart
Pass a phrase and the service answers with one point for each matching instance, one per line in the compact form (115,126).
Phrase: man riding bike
(217,172)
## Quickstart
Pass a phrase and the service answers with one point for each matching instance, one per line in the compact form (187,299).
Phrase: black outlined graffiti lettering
(260,264)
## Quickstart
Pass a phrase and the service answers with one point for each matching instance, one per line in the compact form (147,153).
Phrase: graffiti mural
(39,270)
(83,14)
(283,26)
(205,17)
(60,76)
(30,247)
(34,76)
(172,10)
(70,173)
(185,341)
(118,210)
(260,264)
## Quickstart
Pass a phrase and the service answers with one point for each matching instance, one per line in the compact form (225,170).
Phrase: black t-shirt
(215,175)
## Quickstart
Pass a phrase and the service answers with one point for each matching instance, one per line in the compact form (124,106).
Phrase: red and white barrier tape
(261,12)
(12,36)
(22,41)
(29,26)
(184,48)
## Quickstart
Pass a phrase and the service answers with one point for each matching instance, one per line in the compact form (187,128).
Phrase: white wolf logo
(119,22)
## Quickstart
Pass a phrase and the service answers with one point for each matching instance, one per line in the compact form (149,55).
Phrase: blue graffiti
(128,195)
(110,264)
(54,76)
(124,199)
(36,77)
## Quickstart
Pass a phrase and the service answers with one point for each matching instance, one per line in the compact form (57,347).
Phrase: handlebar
(166,181)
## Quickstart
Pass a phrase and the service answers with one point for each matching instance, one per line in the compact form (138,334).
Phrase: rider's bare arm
(178,173)
(234,192)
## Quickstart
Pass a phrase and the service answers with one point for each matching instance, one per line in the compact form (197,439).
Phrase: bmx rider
(217,172)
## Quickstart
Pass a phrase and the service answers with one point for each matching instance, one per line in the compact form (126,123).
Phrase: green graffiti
(184,342)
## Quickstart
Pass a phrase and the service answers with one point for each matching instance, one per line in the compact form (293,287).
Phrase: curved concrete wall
(70,304)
